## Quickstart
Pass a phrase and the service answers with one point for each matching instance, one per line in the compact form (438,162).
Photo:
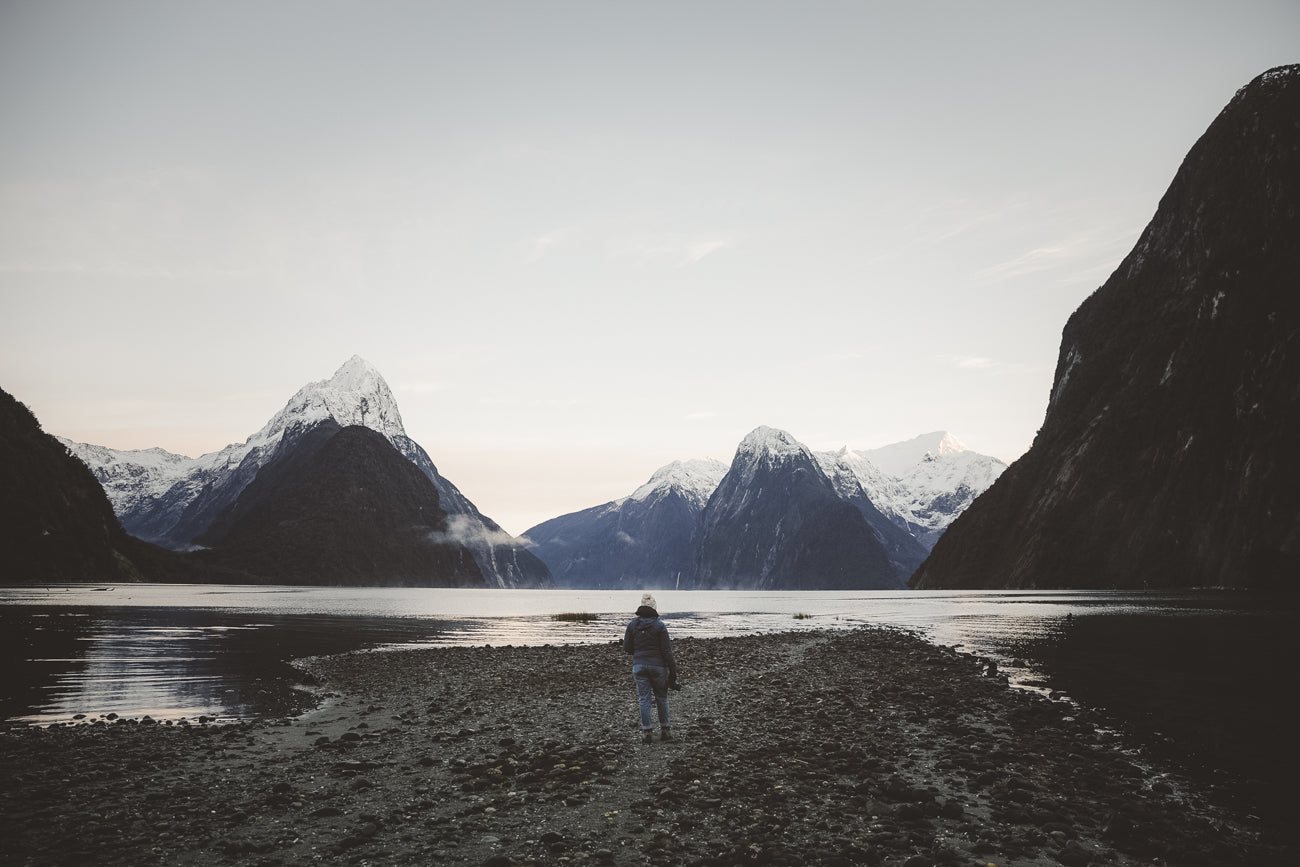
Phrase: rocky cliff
(1168,455)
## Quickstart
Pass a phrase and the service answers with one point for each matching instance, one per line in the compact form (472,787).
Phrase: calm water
(175,651)
(1203,678)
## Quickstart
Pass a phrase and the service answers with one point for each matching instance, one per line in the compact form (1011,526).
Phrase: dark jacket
(646,638)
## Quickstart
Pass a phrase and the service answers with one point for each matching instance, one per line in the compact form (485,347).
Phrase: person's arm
(666,654)
(627,639)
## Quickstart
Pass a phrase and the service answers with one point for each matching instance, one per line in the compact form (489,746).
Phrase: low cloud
(469,531)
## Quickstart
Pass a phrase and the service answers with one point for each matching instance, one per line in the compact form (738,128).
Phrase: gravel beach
(865,747)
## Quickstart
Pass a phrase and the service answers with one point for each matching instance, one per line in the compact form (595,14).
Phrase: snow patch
(695,480)
(1169,370)
(1071,362)
(921,491)
(897,458)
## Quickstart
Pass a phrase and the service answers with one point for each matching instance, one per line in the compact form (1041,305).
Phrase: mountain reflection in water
(169,663)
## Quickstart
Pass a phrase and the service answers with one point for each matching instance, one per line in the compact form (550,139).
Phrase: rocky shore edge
(864,747)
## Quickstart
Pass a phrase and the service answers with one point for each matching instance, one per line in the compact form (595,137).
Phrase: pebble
(866,747)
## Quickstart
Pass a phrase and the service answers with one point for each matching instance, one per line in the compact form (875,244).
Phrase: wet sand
(869,747)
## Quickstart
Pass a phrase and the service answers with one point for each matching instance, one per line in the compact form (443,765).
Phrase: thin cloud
(704,248)
(537,248)
(976,362)
(1039,259)
(1078,254)
(675,250)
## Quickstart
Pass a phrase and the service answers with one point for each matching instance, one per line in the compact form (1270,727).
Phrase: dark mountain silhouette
(776,523)
(56,523)
(1169,455)
(340,506)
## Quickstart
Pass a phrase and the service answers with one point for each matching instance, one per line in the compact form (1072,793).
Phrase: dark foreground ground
(870,747)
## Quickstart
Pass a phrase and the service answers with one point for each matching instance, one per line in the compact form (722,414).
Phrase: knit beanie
(649,601)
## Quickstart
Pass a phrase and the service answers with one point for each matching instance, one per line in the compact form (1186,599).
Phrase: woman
(653,667)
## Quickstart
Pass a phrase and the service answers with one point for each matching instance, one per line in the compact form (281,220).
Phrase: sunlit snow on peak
(695,479)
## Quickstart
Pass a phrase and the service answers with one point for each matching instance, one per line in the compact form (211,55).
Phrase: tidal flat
(869,746)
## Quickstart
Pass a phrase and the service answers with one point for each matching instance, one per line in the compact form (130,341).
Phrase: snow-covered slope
(130,477)
(172,499)
(897,458)
(857,481)
(923,484)
(694,480)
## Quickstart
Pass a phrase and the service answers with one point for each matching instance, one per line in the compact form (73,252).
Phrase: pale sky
(581,240)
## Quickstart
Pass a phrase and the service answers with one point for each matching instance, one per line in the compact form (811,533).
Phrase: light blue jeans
(651,689)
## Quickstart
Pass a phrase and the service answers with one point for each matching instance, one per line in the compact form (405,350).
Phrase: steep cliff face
(775,522)
(1168,455)
(55,522)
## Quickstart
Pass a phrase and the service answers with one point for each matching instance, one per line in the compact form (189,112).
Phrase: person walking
(654,669)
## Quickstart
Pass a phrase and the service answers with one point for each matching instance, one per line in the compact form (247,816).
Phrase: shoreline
(868,746)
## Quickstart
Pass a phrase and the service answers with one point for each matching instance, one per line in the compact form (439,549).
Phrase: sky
(582,240)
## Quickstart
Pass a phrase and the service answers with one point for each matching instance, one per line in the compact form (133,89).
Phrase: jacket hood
(647,612)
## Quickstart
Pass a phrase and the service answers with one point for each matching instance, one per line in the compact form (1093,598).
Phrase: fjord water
(173,651)
(1201,676)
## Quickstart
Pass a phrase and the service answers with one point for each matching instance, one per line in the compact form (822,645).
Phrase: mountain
(56,523)
(859,483)
(174,500)
(341,507)
(923,484)
(647,539)
(775,522)
(640,541)
(1167,456)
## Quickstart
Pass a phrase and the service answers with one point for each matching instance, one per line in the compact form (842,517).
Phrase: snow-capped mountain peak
(355,394)
(771,442)
(897,458)
(768,447)
(921,484)
(694,479)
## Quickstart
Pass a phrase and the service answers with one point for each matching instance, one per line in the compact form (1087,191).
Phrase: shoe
(647,737)
(665,736)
